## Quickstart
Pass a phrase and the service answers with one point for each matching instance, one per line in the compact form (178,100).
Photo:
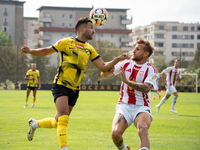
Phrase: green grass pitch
(90,122)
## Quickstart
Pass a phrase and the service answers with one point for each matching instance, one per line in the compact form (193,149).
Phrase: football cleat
(174,111)
(31,130)
(153,98)
(158,109)
(33,106)
(128,148)
(159,97)
(26,104)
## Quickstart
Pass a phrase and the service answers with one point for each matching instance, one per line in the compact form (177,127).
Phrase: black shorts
(32,88)
(59,90)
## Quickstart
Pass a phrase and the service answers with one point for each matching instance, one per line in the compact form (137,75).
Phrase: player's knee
(115,135)
(143,129)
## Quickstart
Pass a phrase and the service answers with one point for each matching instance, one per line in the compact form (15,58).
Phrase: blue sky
(143,11)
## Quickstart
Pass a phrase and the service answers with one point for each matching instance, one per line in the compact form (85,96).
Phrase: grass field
(90,123)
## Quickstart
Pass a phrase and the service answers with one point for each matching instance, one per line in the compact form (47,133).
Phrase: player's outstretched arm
(38,52)
(104,67)
(142,87)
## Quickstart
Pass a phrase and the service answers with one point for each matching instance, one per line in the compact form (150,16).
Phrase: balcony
(157,56)
(45,19)
(127,39)
(160,48)
(158,31)
(126,20)
(159,39)
(45,37)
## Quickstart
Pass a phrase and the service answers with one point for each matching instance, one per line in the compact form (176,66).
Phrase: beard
(139,58)
(87,35)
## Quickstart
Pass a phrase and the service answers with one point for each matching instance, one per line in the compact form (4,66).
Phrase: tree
(107,51)
(160,64)
(9,59)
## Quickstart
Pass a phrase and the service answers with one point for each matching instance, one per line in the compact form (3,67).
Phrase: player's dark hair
(148,46)
(81,21)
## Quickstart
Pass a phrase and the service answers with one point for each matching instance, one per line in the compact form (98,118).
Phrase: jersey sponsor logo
(141,73)
(80,46)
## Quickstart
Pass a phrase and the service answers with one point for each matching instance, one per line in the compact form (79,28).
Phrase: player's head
(177,63)
(33,66)
(144,48)
(85,26)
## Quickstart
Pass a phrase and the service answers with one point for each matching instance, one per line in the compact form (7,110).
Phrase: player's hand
(123,76)
(123,57)
(39,86)
(25,49)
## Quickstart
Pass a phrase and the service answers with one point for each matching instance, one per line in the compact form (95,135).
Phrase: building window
(5,12)
(174,28)
(48,16)
(31,25)
(100,35)
(70,16)
(47,24)
(112,35)
(63,16)
(5,29)
(161,27)
(185,28)
(192,28)
(198,36)
(62,34)
(112,26)
(123,27)
(198,28)
(191,45)
(174,53)
(174,45)
(70,25)
(185,36)
(184,45)
(112,17)
(160,36)
(192,37)
(174,36)
(70,34)
(63,25)
(30,33)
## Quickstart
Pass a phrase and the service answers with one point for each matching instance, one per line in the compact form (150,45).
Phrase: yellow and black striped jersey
(35,75)
(74,55)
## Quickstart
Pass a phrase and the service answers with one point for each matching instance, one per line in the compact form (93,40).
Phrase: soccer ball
(98,16)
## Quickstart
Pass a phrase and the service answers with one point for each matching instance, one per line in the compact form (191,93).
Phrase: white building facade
(171,40)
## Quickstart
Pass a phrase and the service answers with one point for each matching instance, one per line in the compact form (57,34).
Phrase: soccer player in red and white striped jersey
(134,106)
(173,75)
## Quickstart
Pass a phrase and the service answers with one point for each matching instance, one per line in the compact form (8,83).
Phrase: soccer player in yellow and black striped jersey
(33,77)
(74,55)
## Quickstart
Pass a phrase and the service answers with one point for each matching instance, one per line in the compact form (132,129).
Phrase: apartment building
(12,20)
(31,34)
(171,39)
(58,22)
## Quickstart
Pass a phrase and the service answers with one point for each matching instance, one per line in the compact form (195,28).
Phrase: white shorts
(171,90)
(130,112)
(155,88)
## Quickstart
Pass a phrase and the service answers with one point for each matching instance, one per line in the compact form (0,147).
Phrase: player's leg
(163,100)
(142,122)
(27,95)
(174,102)
(62,117)
(154,95)
(119,125)
(34,97)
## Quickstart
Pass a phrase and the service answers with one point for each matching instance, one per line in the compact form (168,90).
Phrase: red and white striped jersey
(145,73)
(171,75)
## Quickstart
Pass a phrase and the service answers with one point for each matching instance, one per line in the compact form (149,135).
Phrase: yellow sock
(47,123)
(62,130)
(33,100)
(26,99)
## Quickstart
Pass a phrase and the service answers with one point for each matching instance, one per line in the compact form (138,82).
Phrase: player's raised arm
(104,67)
(38,52)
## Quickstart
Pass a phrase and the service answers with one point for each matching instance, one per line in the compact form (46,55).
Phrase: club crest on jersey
(57,42)
(80,46)
(141,73)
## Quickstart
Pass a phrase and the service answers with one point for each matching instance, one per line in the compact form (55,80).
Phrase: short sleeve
(60,44)
(94,55)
